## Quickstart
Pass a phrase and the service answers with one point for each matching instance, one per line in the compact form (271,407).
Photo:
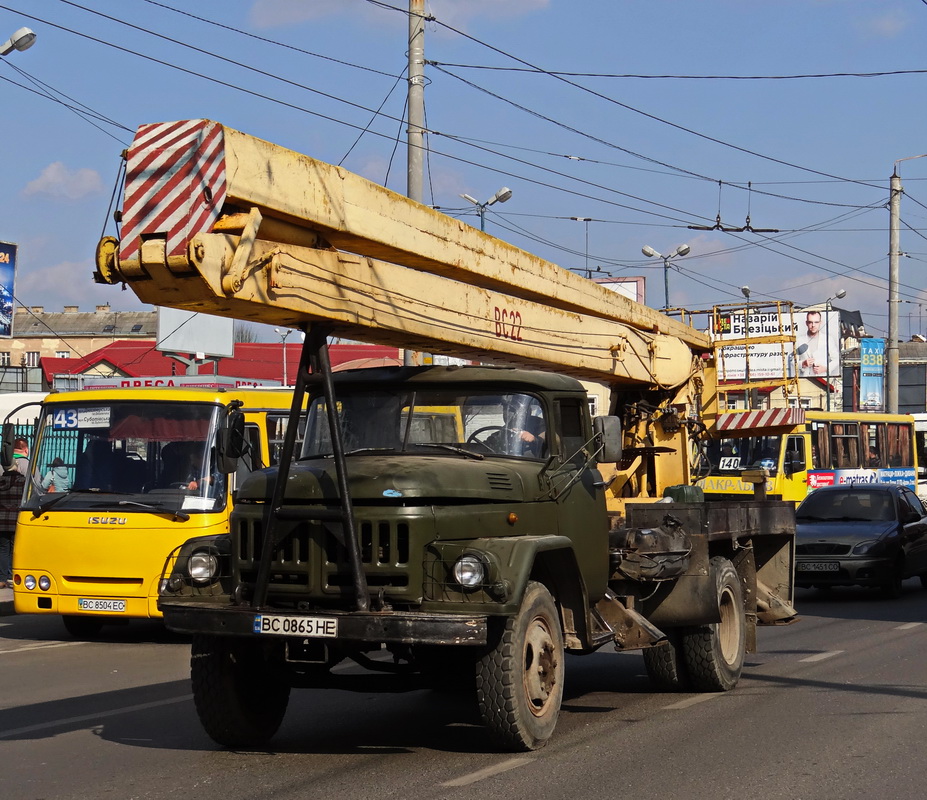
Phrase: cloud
(70,283)
(277,13)
(60,183)
(887,26)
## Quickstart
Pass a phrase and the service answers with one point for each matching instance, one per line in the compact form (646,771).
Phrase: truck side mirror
(793,462)
(231,443)
(607,439)
(6,446)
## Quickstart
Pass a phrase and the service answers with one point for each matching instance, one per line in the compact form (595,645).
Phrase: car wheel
(893,587)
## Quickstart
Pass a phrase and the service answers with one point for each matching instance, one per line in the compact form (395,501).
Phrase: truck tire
(714,654)
(239,701)
(519,680)
(82,627)
(666,666)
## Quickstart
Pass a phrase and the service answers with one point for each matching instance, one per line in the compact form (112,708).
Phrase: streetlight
(23,39)
(648,251)
(283,333)
(499,197)
(840,293)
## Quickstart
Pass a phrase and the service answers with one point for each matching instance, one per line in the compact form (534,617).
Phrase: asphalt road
(832,707)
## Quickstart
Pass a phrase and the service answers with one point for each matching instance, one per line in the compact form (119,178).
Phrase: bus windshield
(436,421)
(127,455)
(731,456)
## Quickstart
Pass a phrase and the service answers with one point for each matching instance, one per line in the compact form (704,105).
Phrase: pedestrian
(12,482)
(21,455)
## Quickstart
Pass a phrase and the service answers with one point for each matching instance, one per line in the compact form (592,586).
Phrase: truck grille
(313,558)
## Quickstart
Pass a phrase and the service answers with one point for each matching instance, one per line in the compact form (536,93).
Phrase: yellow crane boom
(215,220)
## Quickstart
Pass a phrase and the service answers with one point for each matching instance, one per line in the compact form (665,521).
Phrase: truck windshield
(439,421)
(730,456)
(127,455)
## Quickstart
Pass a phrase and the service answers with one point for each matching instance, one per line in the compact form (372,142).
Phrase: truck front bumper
(388,627)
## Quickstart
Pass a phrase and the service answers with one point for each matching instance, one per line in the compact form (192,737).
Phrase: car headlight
(203,566)
(870,547)
(470,570)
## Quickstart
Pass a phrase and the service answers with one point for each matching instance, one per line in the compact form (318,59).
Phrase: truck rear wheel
(714,654)
(666,665)
(519,681)
(239,701)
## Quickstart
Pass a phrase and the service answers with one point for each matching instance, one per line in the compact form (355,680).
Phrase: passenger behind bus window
(58,477)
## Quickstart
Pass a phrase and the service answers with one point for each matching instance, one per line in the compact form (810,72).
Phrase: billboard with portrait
(817,344)
(7,291)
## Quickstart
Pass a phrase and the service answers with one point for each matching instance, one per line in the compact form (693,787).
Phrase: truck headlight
(203,566)
(470,570)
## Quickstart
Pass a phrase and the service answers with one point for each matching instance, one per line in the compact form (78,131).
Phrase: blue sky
(566,103)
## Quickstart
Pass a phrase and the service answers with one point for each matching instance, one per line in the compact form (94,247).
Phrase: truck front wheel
(714,654)
(519,681)
(240,702)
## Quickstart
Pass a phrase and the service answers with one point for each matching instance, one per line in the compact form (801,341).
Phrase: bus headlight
(29,582)
(470,570)
(45,583)
(203,566)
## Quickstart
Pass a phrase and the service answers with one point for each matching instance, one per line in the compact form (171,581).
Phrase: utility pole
(415,133)
(894,252)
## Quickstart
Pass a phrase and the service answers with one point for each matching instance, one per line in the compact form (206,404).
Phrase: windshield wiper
(56,498)
(175,513)
(453,448)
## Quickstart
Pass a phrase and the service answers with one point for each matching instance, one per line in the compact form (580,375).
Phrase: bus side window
(795,455)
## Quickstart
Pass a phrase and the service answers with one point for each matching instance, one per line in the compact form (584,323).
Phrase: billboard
(813,357)
(817,344)
(7,291)
(871,372)
(182,331)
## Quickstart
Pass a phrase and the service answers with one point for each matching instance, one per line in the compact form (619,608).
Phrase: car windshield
(124,454)
(856,505)
(477,424)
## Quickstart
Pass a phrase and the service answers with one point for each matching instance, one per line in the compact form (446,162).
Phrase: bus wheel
(82,627)
(519,680)
(666,665)
(714,653)
(239,699)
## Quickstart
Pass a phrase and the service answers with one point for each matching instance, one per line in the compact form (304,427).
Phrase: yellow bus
(803,450)
(119,478)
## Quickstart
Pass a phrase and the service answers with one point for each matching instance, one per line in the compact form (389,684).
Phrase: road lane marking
(39,646)
(692,701)
(908,625)
(820,656)
(473,777)
(94,717)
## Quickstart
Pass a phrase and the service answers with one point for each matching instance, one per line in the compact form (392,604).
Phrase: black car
(861,534)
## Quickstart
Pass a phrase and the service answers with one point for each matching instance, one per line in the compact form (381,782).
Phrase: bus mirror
(793,462)
(6,446)
(607,439)
(230,442)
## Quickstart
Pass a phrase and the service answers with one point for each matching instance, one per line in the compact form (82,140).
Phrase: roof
(60,324)
(256,360)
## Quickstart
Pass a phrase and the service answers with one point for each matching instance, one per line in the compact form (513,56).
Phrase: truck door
(582,515)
